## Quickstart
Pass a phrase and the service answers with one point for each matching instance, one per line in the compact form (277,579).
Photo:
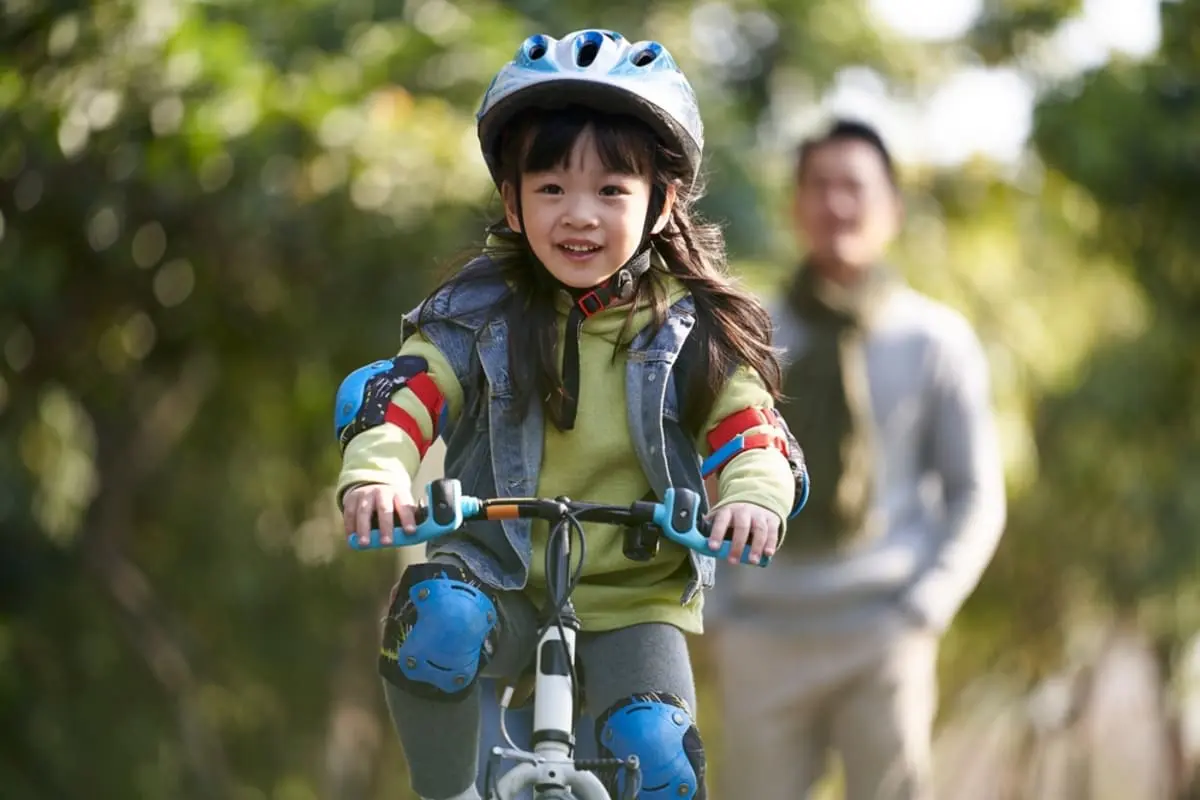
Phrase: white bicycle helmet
(600,69)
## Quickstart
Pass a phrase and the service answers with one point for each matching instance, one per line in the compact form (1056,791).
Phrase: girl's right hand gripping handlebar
(447,508)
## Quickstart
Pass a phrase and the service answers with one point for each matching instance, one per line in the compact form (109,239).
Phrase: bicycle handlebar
(677,517)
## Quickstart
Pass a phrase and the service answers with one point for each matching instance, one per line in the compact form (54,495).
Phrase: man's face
(846,208)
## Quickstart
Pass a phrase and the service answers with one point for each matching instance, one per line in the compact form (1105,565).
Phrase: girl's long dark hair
(732,327)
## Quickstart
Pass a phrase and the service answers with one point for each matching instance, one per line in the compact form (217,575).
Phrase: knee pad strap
(440,632)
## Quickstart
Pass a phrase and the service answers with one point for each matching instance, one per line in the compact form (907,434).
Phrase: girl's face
(584,215)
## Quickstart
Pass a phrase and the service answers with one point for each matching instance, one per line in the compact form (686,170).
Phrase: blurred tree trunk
(131,447)
(355,732)
(1126,730)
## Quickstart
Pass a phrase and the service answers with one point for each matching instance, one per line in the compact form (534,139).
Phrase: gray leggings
(440,739)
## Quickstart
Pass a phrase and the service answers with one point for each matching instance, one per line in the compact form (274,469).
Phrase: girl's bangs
(625,145)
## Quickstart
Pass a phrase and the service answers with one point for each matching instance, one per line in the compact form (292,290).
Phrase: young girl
(550,364)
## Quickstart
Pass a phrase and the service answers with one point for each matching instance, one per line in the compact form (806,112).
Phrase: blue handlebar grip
(679,518)
(445,512)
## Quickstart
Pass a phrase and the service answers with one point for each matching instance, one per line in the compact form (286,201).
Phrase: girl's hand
(745,521)
(382,499)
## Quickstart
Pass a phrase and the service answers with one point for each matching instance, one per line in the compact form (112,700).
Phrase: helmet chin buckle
(622,284)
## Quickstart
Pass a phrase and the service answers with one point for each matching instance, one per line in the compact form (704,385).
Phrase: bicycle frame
(551,767)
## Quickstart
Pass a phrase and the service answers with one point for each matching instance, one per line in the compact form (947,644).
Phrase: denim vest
(492,456)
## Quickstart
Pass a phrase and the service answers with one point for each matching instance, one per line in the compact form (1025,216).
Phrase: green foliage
(1122,446)
(210,212)
(1109,517)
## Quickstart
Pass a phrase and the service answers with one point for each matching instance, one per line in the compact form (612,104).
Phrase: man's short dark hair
(846,130)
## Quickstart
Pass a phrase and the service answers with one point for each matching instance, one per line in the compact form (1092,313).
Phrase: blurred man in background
(834,647)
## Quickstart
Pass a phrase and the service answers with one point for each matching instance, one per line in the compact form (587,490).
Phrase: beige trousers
(788,701)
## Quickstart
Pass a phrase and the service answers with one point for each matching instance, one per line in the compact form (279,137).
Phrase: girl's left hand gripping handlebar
(678,516)
(444,512)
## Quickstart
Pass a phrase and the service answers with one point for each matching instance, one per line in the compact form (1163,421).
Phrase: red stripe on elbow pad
(426,391)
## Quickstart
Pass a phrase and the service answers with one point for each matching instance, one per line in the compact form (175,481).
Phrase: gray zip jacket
(939,488)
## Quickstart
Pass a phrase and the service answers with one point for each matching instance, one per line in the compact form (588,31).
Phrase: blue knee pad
(440,631)
(658,728)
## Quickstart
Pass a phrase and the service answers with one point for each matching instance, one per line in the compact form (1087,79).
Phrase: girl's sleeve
(388,453)
(761,476)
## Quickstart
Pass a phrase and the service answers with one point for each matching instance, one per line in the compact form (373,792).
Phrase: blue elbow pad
(363,398)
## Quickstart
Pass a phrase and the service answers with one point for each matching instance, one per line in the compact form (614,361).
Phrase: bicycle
(551,770)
